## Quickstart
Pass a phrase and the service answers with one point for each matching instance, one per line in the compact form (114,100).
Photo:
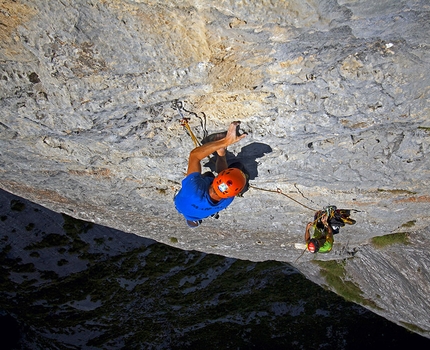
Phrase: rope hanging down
(278,190)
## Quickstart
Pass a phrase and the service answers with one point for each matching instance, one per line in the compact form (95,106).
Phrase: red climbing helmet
(229,183)
(313,246)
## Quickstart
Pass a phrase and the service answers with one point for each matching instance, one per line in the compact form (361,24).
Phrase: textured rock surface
(334,95)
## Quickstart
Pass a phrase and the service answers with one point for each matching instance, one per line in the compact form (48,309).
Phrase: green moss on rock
(387,240)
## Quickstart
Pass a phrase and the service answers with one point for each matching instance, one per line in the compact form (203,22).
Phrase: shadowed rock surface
(67,283)
(333,94)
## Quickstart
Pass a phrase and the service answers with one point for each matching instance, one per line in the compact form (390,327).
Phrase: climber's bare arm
(201,152)
(327,226)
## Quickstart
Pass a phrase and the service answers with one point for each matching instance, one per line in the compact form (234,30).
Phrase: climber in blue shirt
(204,195)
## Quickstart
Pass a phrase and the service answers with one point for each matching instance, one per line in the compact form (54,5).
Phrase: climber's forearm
(201,152)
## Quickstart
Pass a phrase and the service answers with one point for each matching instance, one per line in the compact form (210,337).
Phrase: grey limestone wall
(334,96)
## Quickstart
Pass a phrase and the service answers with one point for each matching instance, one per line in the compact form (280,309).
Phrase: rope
(184,121)
(300,255)
(203,121)
(278,190)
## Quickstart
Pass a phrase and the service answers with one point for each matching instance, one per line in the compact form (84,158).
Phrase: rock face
(334,96)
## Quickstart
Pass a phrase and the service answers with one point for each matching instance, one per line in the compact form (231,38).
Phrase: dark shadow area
(9,331)
(264,305)
(247,156)
(246,160)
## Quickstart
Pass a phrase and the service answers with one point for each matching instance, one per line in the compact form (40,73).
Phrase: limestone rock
(334,96)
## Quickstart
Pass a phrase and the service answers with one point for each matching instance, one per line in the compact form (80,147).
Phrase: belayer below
(204,195)
(327,222)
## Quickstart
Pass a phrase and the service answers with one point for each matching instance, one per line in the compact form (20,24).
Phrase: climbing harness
(278,190)
(184,121)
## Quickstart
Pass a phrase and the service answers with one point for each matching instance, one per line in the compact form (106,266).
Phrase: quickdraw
(184,121)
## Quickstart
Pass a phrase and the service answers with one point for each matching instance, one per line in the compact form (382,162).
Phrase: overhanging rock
(334,97)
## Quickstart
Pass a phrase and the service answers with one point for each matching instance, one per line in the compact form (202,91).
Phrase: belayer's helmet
(229,182)
(313,245)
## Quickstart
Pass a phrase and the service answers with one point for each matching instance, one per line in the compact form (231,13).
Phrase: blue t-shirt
(193,200)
